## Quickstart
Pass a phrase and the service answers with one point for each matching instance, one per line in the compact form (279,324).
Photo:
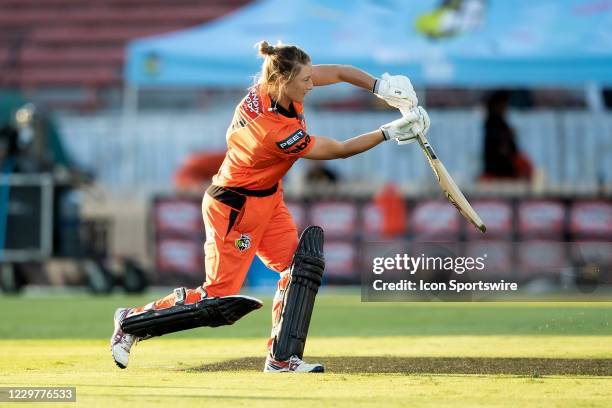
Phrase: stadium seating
(530,238)
(79,44)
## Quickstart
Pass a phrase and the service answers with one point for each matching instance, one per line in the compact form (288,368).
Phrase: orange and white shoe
(293,365)
(121,343)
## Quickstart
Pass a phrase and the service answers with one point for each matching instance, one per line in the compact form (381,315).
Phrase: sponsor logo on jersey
(295,143)
(252,104)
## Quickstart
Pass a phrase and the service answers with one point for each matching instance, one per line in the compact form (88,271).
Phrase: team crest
(243,243)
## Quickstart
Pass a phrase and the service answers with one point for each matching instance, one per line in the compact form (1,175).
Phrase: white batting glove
(414,121)
(396,90)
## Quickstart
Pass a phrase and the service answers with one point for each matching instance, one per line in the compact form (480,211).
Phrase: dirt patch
(436,365)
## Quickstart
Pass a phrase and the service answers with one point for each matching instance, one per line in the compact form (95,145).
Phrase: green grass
(63,340)
(161,377)
(336,314)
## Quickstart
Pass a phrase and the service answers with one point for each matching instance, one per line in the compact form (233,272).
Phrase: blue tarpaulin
(454,43)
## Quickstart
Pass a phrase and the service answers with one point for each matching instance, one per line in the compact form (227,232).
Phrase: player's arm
(328,149)
(332,74)
(396,90)
(414,122)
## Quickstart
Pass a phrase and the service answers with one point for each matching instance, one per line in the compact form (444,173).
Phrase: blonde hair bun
(266,49)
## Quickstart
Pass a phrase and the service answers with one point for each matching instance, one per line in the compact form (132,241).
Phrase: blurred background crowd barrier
(571,151)
(113,116)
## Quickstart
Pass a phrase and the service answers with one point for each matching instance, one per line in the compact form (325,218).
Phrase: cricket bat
(451,191)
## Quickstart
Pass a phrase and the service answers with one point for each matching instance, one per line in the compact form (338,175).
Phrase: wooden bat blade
(448,185)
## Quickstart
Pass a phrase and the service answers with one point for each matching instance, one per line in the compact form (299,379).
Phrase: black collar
(291,113)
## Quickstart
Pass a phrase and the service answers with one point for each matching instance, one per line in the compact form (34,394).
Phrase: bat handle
(407,141)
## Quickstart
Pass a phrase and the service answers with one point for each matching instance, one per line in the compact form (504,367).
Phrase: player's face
(300,85)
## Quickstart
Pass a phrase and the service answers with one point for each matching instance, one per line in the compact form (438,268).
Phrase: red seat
(67,43)
(103,37)
(103,16)
(77,76)
(41,56)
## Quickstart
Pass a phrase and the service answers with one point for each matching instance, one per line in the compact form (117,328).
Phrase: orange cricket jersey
(262,143)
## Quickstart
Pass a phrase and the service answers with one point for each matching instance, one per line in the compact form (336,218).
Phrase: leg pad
(306,275)
(210,312)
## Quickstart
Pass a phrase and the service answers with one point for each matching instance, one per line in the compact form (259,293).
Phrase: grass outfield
(384,354)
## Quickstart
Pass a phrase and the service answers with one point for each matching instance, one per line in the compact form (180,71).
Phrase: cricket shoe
(293,365)
(121,342)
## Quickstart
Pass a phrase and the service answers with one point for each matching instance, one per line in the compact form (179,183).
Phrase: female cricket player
(245,215)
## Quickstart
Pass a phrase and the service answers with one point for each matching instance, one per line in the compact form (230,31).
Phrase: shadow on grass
(533,367)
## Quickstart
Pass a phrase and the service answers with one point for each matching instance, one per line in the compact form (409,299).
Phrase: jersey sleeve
(291,142)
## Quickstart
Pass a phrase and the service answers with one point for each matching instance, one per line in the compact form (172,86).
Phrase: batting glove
(396,90)
(414,121)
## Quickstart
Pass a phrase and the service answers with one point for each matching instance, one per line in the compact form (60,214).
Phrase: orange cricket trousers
(241,223)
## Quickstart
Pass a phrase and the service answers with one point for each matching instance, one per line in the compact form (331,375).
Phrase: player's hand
(420,123)
(414,121)
(396,90)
